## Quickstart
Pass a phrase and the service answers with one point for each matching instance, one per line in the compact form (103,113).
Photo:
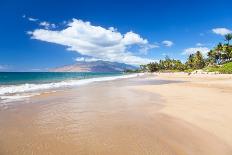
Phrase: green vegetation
(132,71)
(195,61)
(225,68)
(164,65)
(219,59)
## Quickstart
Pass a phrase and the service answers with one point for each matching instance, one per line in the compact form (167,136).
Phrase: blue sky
(37,35)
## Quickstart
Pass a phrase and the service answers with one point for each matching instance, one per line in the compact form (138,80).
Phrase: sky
(40,34)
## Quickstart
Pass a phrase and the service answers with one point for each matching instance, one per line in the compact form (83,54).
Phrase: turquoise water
(15,78)
(16,85)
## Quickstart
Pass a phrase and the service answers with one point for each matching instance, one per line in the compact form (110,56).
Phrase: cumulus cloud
(133,38)
(203,50)
(95,41)
(167,43)
(47,25)
(221,31)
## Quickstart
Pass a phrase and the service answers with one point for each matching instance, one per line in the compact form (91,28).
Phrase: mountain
(94,66)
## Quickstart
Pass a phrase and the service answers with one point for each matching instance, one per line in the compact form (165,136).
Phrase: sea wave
(24,88)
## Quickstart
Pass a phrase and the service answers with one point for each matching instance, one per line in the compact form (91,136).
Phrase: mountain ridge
(94,66)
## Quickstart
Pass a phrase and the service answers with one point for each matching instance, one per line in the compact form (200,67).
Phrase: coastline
(166,113)
(14,92)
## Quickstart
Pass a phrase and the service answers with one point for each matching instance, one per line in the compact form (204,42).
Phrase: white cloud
(221,31)
(203,50)
(133,38)
(47,25)
(32,19)
(95,41)
(167,43)
(147,47)
(199,44)
(87,59)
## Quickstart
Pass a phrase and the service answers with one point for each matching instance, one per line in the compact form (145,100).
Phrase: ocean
(17,85)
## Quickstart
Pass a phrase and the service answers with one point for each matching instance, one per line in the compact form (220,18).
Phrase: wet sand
(144,115)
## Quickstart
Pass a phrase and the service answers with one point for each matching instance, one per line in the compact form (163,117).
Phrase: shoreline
(167,113)
(10,93)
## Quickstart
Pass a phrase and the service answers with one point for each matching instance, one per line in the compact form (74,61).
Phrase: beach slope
(163,114)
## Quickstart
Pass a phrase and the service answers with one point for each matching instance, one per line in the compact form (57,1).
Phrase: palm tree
(199,60)
(153,67)
(190,61)
(219,52)
(228,37)
(212,58)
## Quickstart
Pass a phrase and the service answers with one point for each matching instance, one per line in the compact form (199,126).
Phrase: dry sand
(203,100)
(156,114)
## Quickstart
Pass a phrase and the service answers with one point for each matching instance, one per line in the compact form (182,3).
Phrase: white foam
(24,88)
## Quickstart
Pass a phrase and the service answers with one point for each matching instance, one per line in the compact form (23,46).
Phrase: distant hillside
(95,66)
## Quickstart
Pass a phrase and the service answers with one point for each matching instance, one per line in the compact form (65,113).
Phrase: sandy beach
(162,114)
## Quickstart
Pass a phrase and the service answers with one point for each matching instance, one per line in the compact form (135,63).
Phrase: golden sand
(143,115)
